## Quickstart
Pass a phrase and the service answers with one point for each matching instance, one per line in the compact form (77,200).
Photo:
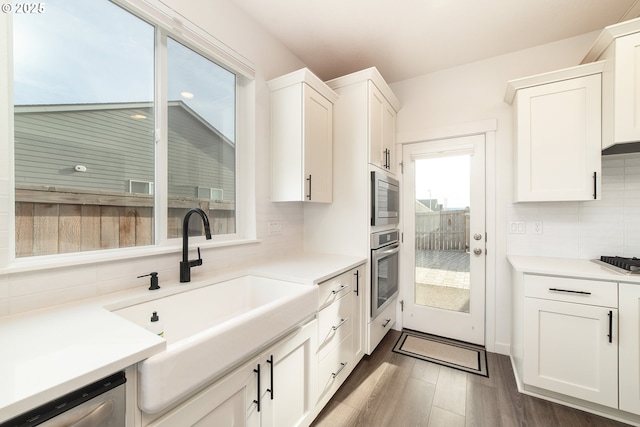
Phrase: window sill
(109,255)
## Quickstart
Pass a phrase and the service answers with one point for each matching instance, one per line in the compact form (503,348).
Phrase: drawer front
(334,289)
(335,367)
(382,324)
(580,291)
(335,323)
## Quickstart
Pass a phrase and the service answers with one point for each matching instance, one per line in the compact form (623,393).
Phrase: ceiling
(407,38)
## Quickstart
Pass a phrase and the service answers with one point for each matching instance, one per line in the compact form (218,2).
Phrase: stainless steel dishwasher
(101,404)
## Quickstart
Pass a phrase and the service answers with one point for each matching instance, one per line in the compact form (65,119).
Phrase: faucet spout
(186,264)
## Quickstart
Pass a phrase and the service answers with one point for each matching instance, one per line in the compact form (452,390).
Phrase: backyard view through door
(444,238)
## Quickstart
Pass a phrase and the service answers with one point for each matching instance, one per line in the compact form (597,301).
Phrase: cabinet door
(572,349)
(318,146)
(626,118)
(629,347)
(359,313)
(389,136)
(229,401)
(559,140)
(377,155)
(289,378)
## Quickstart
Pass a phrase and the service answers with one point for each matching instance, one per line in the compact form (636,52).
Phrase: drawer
(382,324)
(335,322)
(334,289)
(335,367)
(580,291)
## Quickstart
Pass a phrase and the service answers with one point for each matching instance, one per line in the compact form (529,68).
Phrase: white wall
(472,93)
(23,291)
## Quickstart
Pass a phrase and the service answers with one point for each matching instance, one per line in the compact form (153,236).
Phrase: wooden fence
(442,230)
(51,220)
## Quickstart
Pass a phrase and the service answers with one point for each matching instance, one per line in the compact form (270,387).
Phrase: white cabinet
(359,313)
(289,380)
(557,123)
(382,324)
(229,401)
(629,347)
(382,128)
(619,45)
(570,337)
(301,138)
(278,388)
(340,330)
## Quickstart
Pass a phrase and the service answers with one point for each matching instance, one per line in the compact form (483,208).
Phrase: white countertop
(569,267)
(47,353)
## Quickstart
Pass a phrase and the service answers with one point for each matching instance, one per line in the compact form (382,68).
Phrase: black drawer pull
(570,291)
(610,327)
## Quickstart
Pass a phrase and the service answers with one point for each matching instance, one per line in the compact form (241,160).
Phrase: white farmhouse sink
(210,329)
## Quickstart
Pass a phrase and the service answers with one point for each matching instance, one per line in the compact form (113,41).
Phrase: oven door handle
(380,253)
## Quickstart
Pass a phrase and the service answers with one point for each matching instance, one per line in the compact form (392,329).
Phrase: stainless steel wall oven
(385,256)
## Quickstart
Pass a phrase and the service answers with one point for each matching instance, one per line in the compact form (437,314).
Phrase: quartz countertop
(47,353)
(569,267)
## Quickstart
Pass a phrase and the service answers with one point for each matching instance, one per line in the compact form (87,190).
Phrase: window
(88,152)
(201,111)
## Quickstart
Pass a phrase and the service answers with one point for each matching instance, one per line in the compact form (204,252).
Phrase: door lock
(477,251)
(477,236)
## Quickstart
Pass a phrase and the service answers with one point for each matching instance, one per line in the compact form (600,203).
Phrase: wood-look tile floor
(388,389)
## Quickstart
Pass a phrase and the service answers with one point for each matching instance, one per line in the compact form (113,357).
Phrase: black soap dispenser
(153,282)
(155,325)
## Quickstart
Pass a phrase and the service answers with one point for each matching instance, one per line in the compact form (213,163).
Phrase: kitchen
(470,94)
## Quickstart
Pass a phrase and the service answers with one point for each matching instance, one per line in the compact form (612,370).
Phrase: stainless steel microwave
(385,199)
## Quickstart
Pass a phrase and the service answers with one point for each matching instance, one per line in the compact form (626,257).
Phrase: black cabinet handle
(610,326)
(595,190)
(309,195)
(357,273)
(257,401)
(569,291)
(270,362)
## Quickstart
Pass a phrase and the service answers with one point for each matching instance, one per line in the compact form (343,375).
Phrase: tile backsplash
(610,226)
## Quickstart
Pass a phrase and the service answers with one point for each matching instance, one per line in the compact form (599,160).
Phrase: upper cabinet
(557,129)
(301,138)
(382,138)
(367,92)
(619,46)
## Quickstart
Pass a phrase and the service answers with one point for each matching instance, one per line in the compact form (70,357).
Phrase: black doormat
(454,354)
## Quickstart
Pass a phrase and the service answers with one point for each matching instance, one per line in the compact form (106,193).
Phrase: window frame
(167,23)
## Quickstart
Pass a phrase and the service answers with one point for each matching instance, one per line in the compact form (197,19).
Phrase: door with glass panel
(443,265)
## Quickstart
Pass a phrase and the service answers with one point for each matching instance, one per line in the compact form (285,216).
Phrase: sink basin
(212,328)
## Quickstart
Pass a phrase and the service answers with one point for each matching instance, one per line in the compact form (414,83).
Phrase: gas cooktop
(621,264)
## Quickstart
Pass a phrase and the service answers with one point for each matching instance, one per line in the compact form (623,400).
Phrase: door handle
(477,251)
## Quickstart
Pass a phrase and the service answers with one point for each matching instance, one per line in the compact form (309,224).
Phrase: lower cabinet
(569,351)
(629,349)
(382,324)
(278,388)
(288,384)
(571,337)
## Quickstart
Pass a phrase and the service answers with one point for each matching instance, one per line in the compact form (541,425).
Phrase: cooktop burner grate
(628,264)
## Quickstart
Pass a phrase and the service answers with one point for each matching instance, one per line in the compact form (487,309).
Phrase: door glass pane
(202,141)
(442,214)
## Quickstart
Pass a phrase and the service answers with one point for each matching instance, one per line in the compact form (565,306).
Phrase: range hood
(623,148)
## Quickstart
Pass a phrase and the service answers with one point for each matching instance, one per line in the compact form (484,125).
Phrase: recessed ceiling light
(187,95)
(138,116)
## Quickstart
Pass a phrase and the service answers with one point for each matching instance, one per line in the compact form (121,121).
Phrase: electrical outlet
(275,227)
(516,227)
(536,227)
